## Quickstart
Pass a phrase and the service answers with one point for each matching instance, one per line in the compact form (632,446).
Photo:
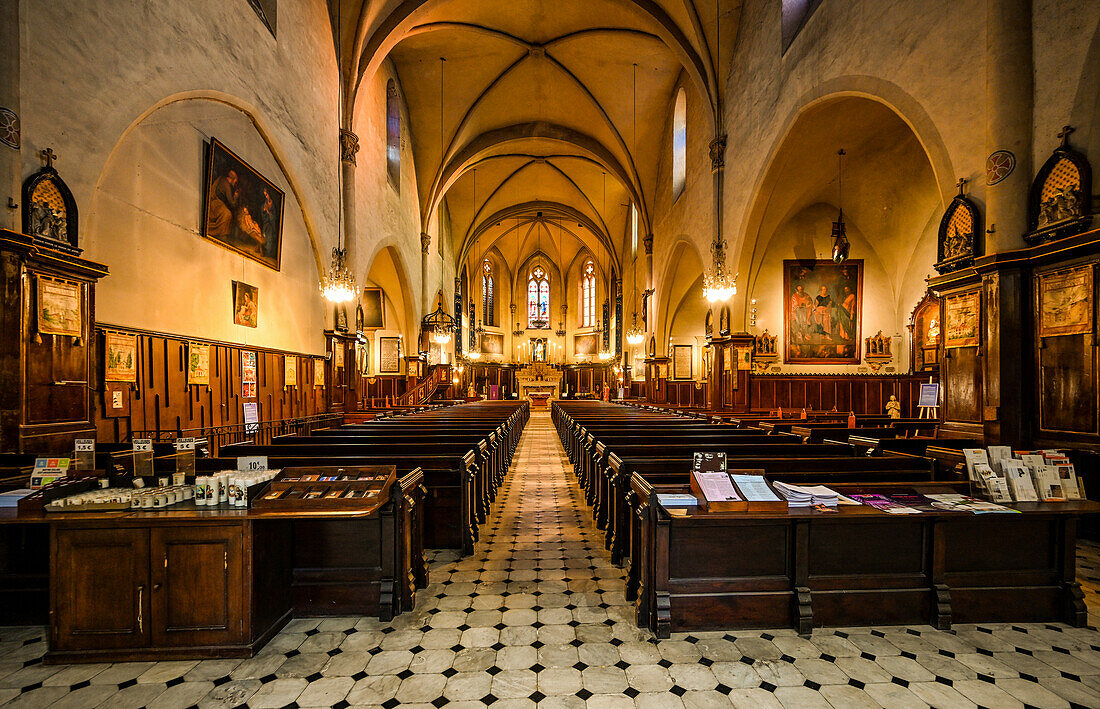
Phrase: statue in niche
(1064,203)
(893,407)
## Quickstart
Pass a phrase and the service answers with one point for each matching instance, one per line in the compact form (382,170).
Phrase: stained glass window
(538,299)
(588,296)
(487,309)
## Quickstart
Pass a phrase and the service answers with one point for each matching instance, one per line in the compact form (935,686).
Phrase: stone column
(11,167)
(1009,99)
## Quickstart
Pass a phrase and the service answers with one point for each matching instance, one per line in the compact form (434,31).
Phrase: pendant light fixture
(475,351)
(439,323)
(718,287)
(339,285)
(841,247)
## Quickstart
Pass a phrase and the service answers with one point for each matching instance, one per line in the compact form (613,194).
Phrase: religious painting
(1065,302)
(681,362)
(823,313)
(492,343)
(242,210)
(290,371)
(120,357)
(362,356)
(373,316)
(584,345)
(924,334)
(60,307)
(961,320)
(744,358)
(198,364)
(340,318)
(248,374)
(389,355)
(318,372)
(538,349)
(245,302)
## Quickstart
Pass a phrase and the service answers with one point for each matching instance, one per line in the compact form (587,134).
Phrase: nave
(537,616)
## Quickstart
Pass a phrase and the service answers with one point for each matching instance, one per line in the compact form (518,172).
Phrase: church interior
(608,354)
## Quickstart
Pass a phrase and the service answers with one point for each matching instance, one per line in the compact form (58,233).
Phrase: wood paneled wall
(586,378)
(381,386)
(162,399)
(863,394)
(680,393)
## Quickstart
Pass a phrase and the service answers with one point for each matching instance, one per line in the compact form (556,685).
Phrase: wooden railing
(422,392)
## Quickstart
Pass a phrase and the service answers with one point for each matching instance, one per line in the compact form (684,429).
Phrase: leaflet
(717,487)
(754,488)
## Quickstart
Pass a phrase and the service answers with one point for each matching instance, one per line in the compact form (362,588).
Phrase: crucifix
(49,156)
(961,184)
(1064,134)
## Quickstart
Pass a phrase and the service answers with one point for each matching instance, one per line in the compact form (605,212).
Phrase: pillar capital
(647,242)
(718,153)
(349,146)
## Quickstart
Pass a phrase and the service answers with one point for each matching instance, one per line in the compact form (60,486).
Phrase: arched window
(393,135)
(487,309)
(538,300)
(588,296)
(679,143)
(633,229)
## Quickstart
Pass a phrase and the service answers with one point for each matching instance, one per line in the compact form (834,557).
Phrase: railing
(260,433)
(422,392)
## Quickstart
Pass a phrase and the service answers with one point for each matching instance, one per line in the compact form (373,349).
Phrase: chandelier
(841,246)
(339,286)
(634,335)
(439,325)
(718,287)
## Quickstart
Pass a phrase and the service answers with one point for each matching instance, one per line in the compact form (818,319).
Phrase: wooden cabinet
(148,590)
(100,589)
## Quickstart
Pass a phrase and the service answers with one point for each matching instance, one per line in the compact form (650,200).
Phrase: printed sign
(251,417)
(252,463)
(929,395)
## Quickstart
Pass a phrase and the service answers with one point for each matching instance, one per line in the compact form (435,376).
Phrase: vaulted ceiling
(556,108)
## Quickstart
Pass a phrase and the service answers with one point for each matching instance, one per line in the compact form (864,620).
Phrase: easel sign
(929,401)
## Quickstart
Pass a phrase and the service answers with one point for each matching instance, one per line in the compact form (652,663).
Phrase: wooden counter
(857,566)
(220,582)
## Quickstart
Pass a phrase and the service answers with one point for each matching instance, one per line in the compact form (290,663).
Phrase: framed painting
(681,362)
(744,358)
(492,343)
(1065,302)
(198,364)
(584,344)
(290,371)
(539,349)
(245,304)
(823,311)
(373,311)
(389,355)
(962,318)
(120,357)
(319,373)
(60,307)
(242,209)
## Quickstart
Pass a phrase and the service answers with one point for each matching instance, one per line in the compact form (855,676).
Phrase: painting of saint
(823,310)
(244,304)
(243,210)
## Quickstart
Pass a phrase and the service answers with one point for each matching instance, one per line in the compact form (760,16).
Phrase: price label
(185,444)
(252,463)
(143,445)
(85,445)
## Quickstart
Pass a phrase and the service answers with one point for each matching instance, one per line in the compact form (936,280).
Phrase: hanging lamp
(841,246)
(339,285)
(439,323)
(718,287)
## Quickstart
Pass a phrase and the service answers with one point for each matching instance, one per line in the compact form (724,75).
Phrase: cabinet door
(198,586)
(100,589)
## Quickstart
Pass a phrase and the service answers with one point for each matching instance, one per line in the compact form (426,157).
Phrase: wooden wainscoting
(862,394)
(162,399)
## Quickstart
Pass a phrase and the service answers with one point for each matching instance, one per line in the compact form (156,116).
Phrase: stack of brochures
(806,496)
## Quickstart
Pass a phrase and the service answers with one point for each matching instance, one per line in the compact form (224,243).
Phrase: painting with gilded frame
(246,301)
(242,209)
(1065,302)
(823,311)
(962,320)
(373,301)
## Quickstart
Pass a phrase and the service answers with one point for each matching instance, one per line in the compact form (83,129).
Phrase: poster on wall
(290,371)
(389,355)
(198,364)
(245,302)
(961,320)
(120,357)
(492,343)
(248,374)
(823,313)
(251,417)
(318,372)
(744,358)
(1065,302)
(60,307)
(373,313)
(584,344)
(243,209)
(681,362)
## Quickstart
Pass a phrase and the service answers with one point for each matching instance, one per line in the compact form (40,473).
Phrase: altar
(539,393)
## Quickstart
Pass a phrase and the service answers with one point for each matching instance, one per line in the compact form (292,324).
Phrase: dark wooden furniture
(858,566)
(46,380)
(220,582)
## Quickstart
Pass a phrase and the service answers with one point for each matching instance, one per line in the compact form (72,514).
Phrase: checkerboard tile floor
(536,616)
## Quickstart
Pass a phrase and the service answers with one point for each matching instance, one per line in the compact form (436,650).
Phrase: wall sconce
(752,314)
